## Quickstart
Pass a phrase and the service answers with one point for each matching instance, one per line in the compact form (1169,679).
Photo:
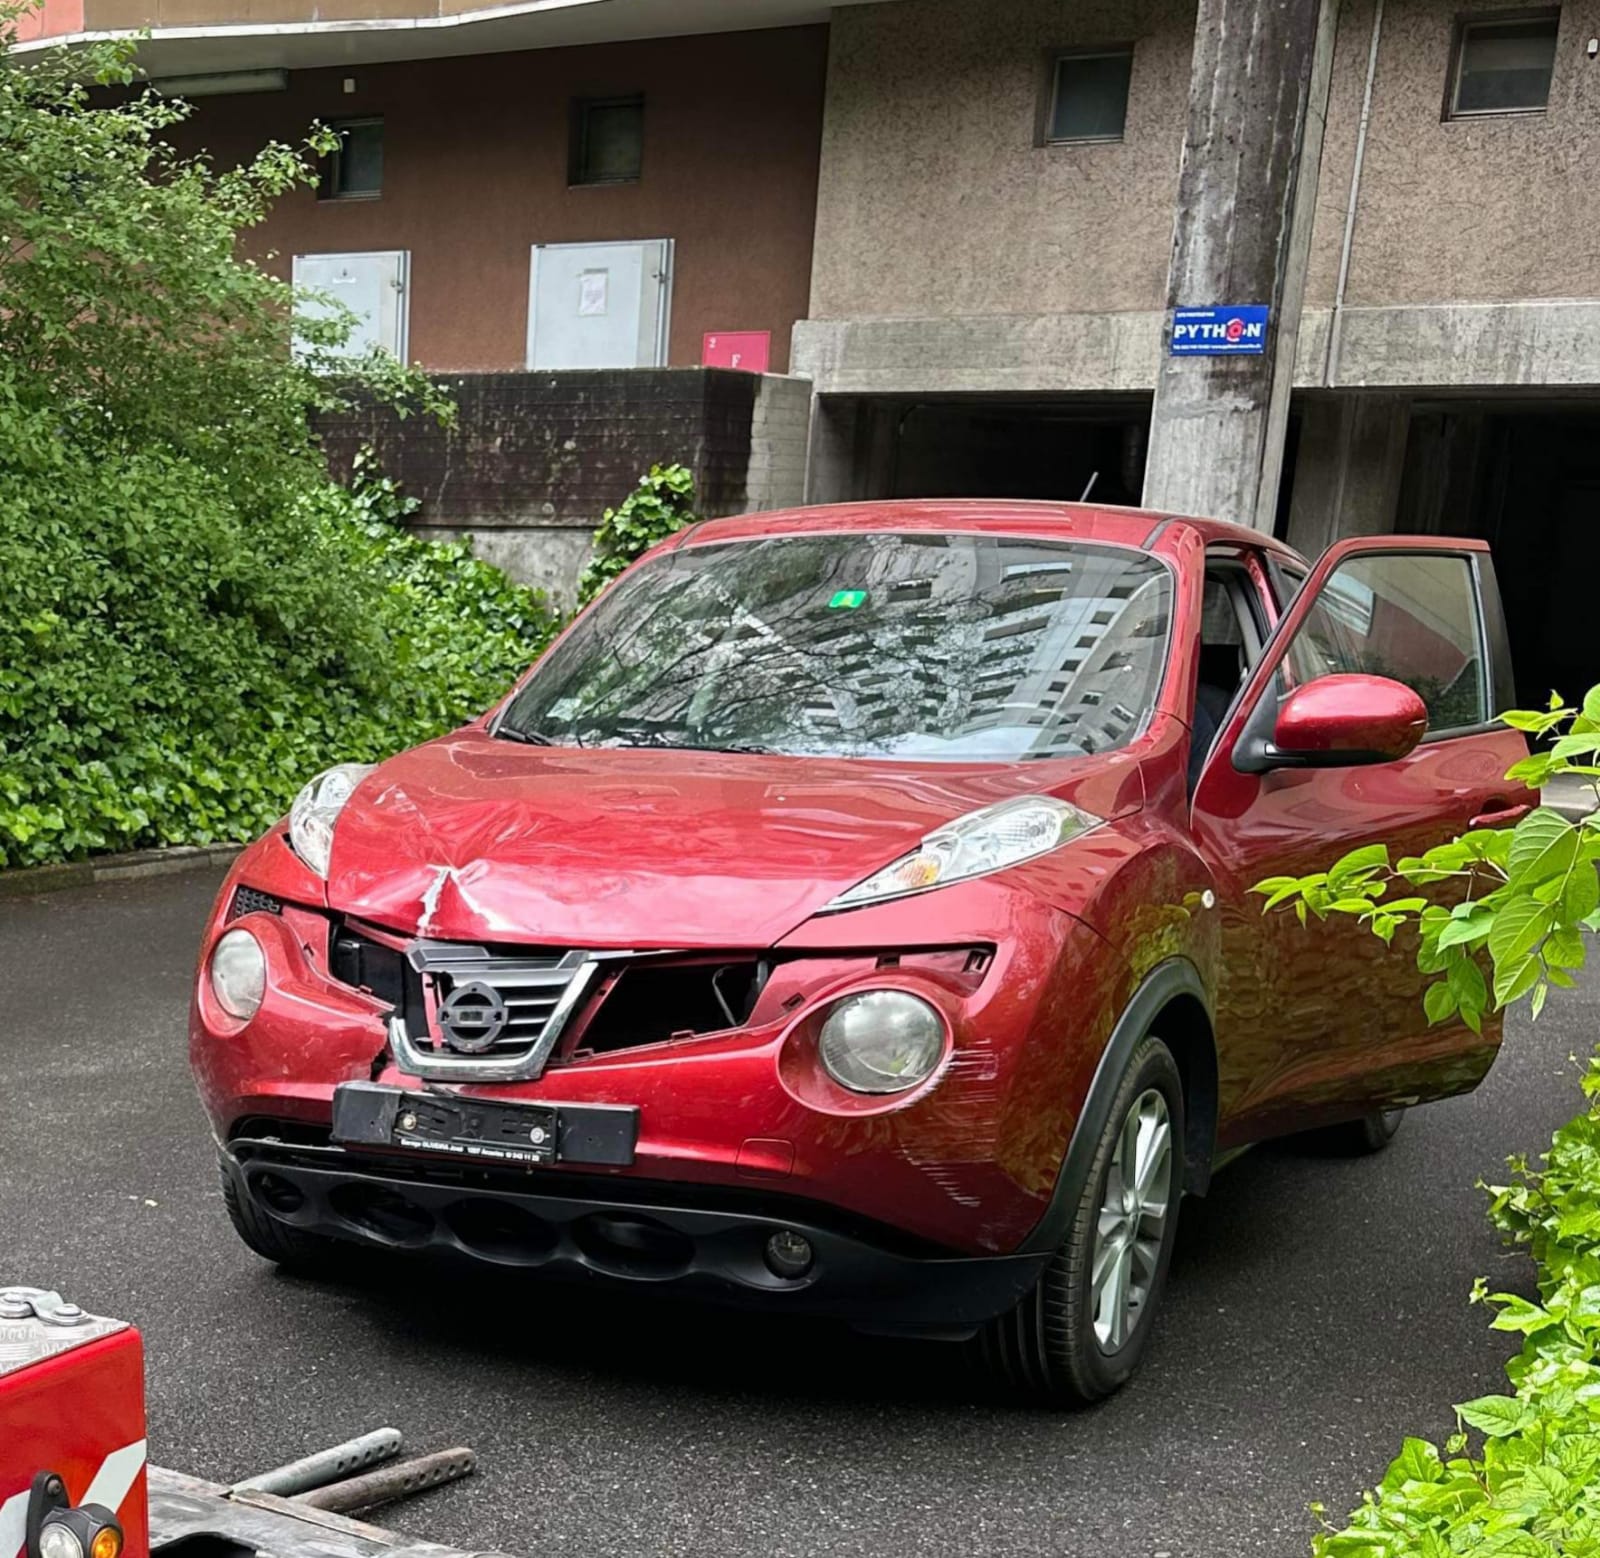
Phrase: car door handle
(1500,815)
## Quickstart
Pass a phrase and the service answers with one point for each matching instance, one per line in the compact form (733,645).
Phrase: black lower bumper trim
(717,1255)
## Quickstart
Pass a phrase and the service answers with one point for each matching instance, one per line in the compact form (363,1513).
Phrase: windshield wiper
(531,738)
(754,747)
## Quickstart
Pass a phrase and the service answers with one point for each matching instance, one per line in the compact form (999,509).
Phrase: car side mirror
(1341,720)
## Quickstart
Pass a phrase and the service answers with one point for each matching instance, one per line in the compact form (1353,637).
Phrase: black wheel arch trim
(1165,983)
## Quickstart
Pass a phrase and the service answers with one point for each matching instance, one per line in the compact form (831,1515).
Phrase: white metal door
(599,305)
(373,286)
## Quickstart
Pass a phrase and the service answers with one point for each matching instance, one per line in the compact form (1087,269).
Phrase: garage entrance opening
(980,447)
(1527,479)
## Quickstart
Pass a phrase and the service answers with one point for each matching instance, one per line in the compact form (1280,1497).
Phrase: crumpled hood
(472,839)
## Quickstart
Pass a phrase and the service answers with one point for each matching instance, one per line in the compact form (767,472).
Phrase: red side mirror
(1346,720)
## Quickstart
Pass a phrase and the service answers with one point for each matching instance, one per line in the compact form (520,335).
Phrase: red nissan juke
(850,914)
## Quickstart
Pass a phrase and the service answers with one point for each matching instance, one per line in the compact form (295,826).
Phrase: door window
(1411,616)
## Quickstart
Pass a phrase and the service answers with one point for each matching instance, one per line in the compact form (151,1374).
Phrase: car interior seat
(1222,670)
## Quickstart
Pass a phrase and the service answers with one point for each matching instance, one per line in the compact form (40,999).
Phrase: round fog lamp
(59,1541)
(881,1041)
(238,981)
(789,1254)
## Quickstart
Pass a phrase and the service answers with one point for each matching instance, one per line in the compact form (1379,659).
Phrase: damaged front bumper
(704,1243)
(965,1162)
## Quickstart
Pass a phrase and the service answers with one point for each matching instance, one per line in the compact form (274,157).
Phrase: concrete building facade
(989,310)
(956,219)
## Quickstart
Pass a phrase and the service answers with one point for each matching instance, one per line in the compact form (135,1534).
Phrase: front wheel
(292,1248)
(1079,1334)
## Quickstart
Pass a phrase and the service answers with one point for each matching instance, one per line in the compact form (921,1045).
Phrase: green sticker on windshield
(848,600)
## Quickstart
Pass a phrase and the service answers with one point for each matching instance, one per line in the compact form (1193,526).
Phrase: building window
(354,169)
(1088,97)
(1503,64)
(607,144)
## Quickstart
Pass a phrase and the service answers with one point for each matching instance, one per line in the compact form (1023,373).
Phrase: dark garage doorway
(1021,449)
(981,446)
(1527,479)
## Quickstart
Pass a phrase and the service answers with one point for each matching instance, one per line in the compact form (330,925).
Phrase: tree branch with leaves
(1522,897)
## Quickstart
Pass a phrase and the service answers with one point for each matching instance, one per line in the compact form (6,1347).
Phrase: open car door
(1322,1023)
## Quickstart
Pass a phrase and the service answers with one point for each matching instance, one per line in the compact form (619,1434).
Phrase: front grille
(484,1012)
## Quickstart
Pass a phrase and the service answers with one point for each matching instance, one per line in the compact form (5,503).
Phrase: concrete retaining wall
(536,458)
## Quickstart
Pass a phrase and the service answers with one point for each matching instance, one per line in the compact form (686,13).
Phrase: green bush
(663,502)
(172,670)
(1521,1479)
(193,618)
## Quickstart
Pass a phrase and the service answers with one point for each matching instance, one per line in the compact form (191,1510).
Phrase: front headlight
(881,1041)
(989,839)
(239,974)
(316,808)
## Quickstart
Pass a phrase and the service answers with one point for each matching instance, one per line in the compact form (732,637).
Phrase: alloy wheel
(1132,1222)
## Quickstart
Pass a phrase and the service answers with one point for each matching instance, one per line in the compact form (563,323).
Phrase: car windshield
(971,648)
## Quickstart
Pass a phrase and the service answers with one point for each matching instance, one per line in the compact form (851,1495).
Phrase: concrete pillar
(1247,185)
(1348,468)
(831,451)
(780,424)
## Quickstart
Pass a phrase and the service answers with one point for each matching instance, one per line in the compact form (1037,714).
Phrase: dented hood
(472,839)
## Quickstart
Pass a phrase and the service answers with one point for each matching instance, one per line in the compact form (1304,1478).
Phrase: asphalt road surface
(1316,1313)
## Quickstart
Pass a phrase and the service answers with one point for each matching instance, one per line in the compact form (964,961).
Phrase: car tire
(1371,1133)
(292,1248)
(1070,1341)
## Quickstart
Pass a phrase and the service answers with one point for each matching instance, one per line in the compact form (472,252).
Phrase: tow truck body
(73,1456)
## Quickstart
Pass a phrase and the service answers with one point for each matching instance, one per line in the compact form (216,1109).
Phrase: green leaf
(1418,1461)
(1520,925)
(1514,980)
(1367,858)
(1543,844)
(1467,931)
(1496,1417)
(1535,722)
(1581,896)
(1564,947)
(1439,1001)
(1467,985)
(1272,884)
(1517,1314)
(1533,770)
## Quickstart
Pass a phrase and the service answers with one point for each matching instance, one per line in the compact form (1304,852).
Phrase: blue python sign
(1230,330)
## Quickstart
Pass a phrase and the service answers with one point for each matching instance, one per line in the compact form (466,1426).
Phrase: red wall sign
(750,350)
